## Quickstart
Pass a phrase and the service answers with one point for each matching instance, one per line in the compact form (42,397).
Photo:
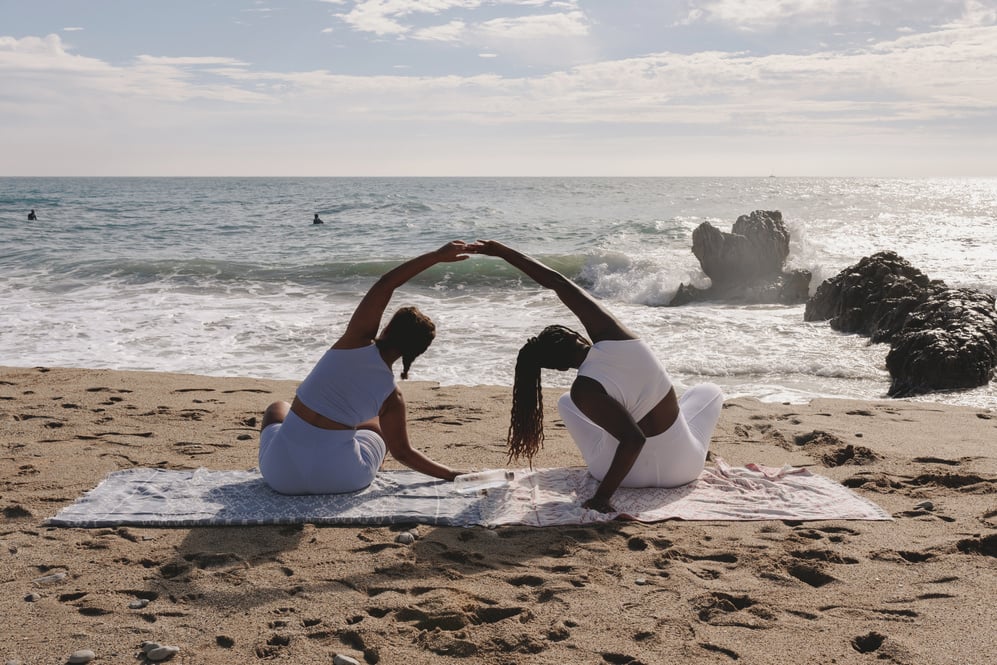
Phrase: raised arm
(366,319)
(598,322)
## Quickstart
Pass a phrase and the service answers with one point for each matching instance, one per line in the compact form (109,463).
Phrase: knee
(275,413)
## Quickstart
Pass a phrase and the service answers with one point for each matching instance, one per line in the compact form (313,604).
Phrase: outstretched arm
(394,430)
(598,322)
(366,319)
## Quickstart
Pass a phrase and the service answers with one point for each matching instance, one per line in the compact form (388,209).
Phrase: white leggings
(674,457)
(298,458)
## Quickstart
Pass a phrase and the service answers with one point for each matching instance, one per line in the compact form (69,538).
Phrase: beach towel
(537,497)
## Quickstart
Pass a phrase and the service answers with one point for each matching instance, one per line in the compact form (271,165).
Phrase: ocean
(229,277)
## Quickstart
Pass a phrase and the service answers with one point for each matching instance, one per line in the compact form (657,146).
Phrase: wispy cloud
(907,79)
(478,69)
(758,15)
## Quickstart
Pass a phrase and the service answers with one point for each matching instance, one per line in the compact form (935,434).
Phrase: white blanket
(538,497)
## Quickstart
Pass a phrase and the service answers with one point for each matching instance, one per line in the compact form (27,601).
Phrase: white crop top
(348,385)
(629,372)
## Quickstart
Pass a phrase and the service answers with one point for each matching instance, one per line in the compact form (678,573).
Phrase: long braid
(526,433)
(554,348)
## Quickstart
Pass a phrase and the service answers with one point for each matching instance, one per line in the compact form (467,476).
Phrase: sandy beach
(916,590)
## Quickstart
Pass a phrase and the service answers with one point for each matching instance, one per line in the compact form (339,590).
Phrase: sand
(916,590)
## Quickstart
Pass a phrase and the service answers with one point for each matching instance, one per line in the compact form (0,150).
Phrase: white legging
(674,457)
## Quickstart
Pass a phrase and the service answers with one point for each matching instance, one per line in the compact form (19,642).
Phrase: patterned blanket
(538,497)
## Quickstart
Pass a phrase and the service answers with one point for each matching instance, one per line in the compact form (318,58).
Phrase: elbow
(403,456)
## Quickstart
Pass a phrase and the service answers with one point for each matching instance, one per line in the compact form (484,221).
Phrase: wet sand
(918,590)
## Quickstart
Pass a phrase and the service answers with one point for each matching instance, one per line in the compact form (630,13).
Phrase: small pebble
(138,604)
(149,646)
(82,656)
(858,435)
(47,579)
(640,581)
(340,659)
(405,538)
(162,653)
(925,505)
(32,597)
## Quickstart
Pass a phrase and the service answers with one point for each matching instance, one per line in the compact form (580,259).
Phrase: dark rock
(746,265)
(941,338)
(871,298)
(949,342)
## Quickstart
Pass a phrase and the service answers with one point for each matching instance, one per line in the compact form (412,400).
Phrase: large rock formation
(746,265)
(941,338)
(872,297)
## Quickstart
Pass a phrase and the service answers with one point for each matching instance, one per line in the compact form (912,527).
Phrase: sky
(498,88)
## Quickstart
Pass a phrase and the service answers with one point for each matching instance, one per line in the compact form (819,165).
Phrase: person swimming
(317,220)
(32,216)
(622,411)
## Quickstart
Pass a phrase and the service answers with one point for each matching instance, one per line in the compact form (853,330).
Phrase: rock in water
(746,265)
(872,297)
(941,338)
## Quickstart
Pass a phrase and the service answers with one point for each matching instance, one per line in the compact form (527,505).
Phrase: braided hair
(553,348)
(409,331)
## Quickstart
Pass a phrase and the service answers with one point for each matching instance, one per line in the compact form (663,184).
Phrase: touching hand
(456,250)
(489,247)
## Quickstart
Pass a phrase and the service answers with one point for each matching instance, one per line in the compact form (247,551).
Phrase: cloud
(42,68)
(906,79)
(762,15)
(392,17)
(71,29)
(454,31)
(938,84)
(543,26)
(975,14)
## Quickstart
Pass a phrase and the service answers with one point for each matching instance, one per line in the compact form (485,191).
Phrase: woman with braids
(348,412)
(622,410)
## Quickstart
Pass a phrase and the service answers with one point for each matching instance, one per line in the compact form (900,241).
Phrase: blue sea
(229,277)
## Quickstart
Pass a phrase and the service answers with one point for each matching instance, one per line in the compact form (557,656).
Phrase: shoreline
(698,592)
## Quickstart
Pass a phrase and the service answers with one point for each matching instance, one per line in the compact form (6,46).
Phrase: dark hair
(409,331)
(554,348)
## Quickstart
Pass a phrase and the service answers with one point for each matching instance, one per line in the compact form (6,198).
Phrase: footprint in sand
(868,643)
(987,545)
(724,609)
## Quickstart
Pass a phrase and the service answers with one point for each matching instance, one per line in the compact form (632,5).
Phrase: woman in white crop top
(622,410)
(348,412)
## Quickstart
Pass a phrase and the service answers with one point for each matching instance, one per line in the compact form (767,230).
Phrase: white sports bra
(348,385)
(629,372)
